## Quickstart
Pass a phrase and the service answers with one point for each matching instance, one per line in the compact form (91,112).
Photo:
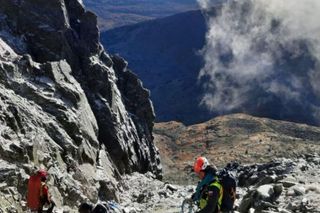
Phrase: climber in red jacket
(45,198)
(38,192)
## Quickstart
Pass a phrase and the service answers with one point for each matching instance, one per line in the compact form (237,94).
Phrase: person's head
(43,174)
(43,179)
(200,165)
(85,208)
(100,208)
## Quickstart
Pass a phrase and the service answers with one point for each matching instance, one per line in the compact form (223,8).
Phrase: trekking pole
(188,206)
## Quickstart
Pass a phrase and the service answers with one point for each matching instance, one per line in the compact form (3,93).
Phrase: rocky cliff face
(170,66)
(67,106)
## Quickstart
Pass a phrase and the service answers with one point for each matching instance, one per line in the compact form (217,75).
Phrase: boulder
(265,192)
(298,190)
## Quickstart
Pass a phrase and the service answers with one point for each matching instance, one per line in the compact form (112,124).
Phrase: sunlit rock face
(67,106)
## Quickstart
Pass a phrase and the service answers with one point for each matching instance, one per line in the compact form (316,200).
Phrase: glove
(189,200)
(193,196)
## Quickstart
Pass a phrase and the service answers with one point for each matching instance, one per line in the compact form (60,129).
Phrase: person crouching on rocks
(209,191)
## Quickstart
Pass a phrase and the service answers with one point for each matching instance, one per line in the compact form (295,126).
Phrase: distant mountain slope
(118,13)
(165,55)
(236,137)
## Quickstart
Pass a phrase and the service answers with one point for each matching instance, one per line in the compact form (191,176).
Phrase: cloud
(258,50)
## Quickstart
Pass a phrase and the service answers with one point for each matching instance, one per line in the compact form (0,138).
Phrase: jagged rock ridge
(66,105)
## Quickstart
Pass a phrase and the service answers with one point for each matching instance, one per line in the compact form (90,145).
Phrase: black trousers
(44,202)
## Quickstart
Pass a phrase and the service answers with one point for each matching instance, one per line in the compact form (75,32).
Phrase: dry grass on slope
(236,137)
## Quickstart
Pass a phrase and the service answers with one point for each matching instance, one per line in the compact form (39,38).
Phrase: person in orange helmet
(209,190)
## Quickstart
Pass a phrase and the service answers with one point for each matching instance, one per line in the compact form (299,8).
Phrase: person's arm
(213,197)
(45,193)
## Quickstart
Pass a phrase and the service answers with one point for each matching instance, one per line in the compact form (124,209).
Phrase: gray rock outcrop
(67,106)
(143,193)
(292,189)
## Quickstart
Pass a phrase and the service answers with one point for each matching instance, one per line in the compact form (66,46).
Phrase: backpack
(33,194)
(35,189)
(229,184)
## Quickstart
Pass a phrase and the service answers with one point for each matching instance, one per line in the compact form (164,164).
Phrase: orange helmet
(200,164)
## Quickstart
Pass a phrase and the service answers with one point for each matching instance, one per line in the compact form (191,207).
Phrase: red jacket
(44,192)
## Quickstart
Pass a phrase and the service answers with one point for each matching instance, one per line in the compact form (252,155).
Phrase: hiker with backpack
(38,193)
(210,195)
(45,199)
